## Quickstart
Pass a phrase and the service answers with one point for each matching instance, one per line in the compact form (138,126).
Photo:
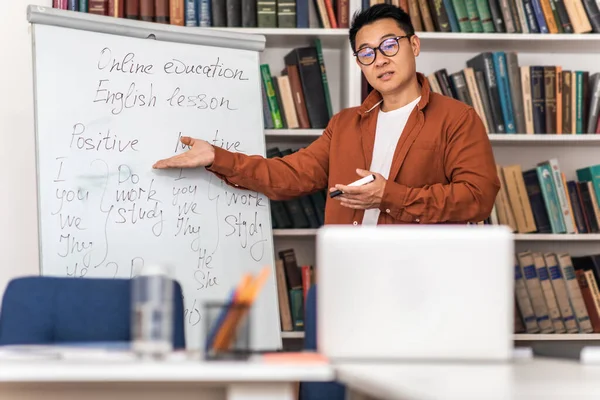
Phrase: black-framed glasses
(389,48)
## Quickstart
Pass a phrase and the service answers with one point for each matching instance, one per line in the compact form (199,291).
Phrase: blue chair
(54,310)
(316,390)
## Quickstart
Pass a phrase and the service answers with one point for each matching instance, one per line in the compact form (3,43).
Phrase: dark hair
(375,13)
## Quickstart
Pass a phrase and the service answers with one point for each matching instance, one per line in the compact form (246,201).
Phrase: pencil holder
(227,327)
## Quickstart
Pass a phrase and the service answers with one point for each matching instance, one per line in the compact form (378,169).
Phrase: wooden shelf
(549,237)
(518,236)
(520,42)
(294,134)
(546,139)
(292,335)
(294,232)
(289,37)
(530,337)
(519,337)
(500,139)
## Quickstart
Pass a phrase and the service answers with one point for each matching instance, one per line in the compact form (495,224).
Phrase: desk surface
(168,371)
(522,379)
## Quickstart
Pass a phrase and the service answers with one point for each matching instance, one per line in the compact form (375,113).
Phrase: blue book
(500,69)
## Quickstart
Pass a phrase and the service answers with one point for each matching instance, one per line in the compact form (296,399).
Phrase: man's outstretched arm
(282,178)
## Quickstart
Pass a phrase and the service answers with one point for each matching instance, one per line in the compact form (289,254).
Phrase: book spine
(539,16)
(530,16)
(321,60)
(286,13)
(504,90)
(176,12)
(580,221)
(534,289)
(524,302)
(204,13)
(343,13)
(249,14)
(497,19)
(593,13)
(190,12)
(574,292)
(233,13)
(560,290)
(302,13)
(462,15)
(551,198)
(562,195)
(538,99)
(270,92)
(550,98)
(219,13)
(266,13)
(578,102)
(161,11)
(551,302)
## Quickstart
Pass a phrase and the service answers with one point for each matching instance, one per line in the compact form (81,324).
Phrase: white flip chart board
(113,96)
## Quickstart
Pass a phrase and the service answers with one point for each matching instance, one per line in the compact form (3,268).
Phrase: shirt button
(387,211)
(236,185)
(417,220)
(355,223)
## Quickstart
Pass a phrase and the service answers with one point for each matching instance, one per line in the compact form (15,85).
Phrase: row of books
(531,99)
(221,13)
(299,96)
(293,282)
(556,293)
(542,200)
(299,213)
(500,16)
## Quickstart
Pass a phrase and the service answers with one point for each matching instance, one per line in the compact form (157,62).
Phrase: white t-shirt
(389,128)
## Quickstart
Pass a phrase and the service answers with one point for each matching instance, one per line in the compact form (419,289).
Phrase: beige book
(505,213)
(535,291)
(475,96)
(578,16)
(287,100)
(551,301)
(518,198)
(434,84)
(285,314)
(527,102)
(560,291)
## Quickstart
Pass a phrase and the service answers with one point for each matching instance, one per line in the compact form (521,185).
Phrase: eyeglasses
(389,48)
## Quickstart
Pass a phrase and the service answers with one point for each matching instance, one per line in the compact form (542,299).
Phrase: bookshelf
(450,51)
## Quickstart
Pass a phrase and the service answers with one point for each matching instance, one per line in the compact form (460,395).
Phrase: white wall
(18,206)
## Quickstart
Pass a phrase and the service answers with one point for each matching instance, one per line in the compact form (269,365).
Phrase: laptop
(430,292)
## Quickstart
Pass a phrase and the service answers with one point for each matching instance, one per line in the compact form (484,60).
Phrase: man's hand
(362,197)
(200,154)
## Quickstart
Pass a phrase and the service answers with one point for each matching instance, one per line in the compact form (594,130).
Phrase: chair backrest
(45,310)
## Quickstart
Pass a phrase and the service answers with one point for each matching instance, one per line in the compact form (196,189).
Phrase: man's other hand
(362,197)
(200,154)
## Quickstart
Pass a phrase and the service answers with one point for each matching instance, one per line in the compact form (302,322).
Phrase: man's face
(387,74)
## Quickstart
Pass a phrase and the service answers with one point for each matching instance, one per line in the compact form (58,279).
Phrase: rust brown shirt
(443,169)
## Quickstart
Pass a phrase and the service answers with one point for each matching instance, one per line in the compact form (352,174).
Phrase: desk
(546,379)
(177,380)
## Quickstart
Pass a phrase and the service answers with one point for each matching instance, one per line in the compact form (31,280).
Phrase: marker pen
(360,182)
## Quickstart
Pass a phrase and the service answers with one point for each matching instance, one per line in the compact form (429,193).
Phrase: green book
(550,196)
(324,76)
(578,102)
(267,79)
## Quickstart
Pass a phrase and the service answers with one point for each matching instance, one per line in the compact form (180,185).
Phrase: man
(430,154)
